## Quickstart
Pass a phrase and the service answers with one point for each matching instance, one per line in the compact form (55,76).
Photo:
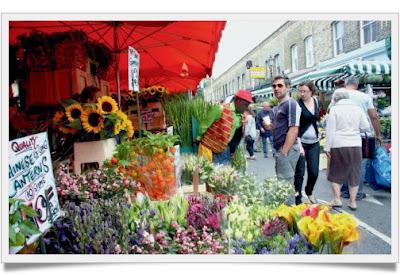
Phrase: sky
(238,38)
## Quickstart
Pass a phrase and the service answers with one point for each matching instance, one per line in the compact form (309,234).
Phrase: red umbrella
(173,54)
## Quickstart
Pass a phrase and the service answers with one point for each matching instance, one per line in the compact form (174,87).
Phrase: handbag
(368,146)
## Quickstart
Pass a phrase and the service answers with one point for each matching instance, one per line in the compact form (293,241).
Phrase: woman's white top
(250,127)
(344,123)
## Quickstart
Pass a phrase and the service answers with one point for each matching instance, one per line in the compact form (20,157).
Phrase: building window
(233,86)
(243,80)
(368,32)
(238,82)
(295,59)
(338,31)
(277,64)
(308,43)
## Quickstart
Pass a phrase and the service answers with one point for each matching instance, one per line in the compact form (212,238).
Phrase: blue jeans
(222,158)
(265,145)
(345,188)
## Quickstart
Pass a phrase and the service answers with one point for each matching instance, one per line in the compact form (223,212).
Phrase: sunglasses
(277,85)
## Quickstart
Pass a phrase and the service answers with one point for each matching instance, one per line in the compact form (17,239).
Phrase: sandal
(334,204)
(352,208)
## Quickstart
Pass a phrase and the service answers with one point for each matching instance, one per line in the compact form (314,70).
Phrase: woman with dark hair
(308,140)
(90,94)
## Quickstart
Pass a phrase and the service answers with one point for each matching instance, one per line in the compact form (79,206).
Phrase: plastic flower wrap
(191,163)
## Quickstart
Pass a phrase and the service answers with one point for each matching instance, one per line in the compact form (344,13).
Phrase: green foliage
(386,126)
(273,101)
(19,228)
(178,114)
(382,102)
(150,143)
(239,159)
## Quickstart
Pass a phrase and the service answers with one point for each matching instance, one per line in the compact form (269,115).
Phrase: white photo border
(358,258)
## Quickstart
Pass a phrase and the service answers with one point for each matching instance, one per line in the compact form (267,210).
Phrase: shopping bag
(382,167)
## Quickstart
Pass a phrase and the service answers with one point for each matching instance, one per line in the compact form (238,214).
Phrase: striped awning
(324,79)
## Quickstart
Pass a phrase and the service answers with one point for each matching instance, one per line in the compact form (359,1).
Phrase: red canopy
(164,47)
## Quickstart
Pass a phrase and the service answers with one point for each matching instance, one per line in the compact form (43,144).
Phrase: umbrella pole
(139,115)
(116,51)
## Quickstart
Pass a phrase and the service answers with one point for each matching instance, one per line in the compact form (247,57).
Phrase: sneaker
(265,156)
(298,200)
(312,199)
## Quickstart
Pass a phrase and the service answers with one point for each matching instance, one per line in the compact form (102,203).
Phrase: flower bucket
(92,151)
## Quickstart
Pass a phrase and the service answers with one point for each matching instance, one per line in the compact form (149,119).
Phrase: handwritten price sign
(30,176)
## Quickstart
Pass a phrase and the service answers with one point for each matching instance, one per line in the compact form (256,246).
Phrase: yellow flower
(284,212)
(60,120)
(57,118)
(312,229)
(121,115)
(92,121)
(73,111)
(106,105)
(117,127)
(129,128)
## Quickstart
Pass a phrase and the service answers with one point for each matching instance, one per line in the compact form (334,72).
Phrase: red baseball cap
(245,95)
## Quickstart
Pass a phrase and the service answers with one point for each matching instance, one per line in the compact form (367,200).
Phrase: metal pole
(139,116)
(116,52)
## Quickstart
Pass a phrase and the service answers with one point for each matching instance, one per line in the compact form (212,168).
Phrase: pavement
(373,213)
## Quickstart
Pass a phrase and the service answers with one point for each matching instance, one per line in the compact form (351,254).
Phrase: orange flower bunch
(156,174)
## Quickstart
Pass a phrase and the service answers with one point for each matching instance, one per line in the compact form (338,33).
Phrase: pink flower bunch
(204,210)
(101,183)
(311,211)
(190,241)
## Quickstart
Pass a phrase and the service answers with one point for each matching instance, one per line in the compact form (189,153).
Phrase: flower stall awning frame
(324,79)
(164,46)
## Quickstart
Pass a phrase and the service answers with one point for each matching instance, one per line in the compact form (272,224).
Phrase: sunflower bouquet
(97,121)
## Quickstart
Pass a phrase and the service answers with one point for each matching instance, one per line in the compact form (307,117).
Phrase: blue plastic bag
(382,167)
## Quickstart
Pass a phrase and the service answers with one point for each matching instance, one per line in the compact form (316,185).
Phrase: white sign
(31,179)
(133,69)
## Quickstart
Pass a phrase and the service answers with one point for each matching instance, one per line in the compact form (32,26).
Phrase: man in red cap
(220,133)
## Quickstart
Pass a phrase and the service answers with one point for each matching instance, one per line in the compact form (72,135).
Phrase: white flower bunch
(277,191)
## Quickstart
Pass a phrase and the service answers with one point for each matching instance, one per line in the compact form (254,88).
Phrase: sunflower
(118,127)
(106,105)
(121,115)
(57,118)
(92,121)
(73,112)
(129,128)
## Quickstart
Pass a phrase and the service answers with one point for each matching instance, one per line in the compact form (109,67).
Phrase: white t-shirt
(250,127)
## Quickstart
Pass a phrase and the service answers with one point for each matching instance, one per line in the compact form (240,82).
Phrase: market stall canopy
(166,48)
(324,79)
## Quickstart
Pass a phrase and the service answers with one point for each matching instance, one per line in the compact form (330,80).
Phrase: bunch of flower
(224,180)
(277,191)
(191,163)
(319,227)
(101,183)
(245,222)
(153,164)
(298,245)
(248,190)
(191,241)
(275,226)
(94,227)
(93,121)
(152,91)
(206,210)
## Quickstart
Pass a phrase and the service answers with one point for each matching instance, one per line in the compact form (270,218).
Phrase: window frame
(334,38)
(294,61)
(309,62)
(362,35)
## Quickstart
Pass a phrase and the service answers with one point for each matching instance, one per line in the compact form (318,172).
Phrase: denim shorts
(285,166)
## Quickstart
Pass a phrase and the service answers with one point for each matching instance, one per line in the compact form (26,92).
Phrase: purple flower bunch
(62,238)
(298,245)
(205,210)
(97,227)
(276,226)
(192,241)
(101,183)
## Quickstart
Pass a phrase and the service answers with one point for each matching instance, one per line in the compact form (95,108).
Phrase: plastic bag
(382,168)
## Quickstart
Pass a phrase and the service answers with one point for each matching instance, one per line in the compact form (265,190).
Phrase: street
(373,213)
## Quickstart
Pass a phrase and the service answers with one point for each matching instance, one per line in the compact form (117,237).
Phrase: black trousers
(311,156)
(250,145)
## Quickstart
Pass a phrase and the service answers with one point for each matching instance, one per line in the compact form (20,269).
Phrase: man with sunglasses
(220,132)
(285,127)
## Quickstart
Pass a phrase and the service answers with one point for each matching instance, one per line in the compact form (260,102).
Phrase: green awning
(324,79)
